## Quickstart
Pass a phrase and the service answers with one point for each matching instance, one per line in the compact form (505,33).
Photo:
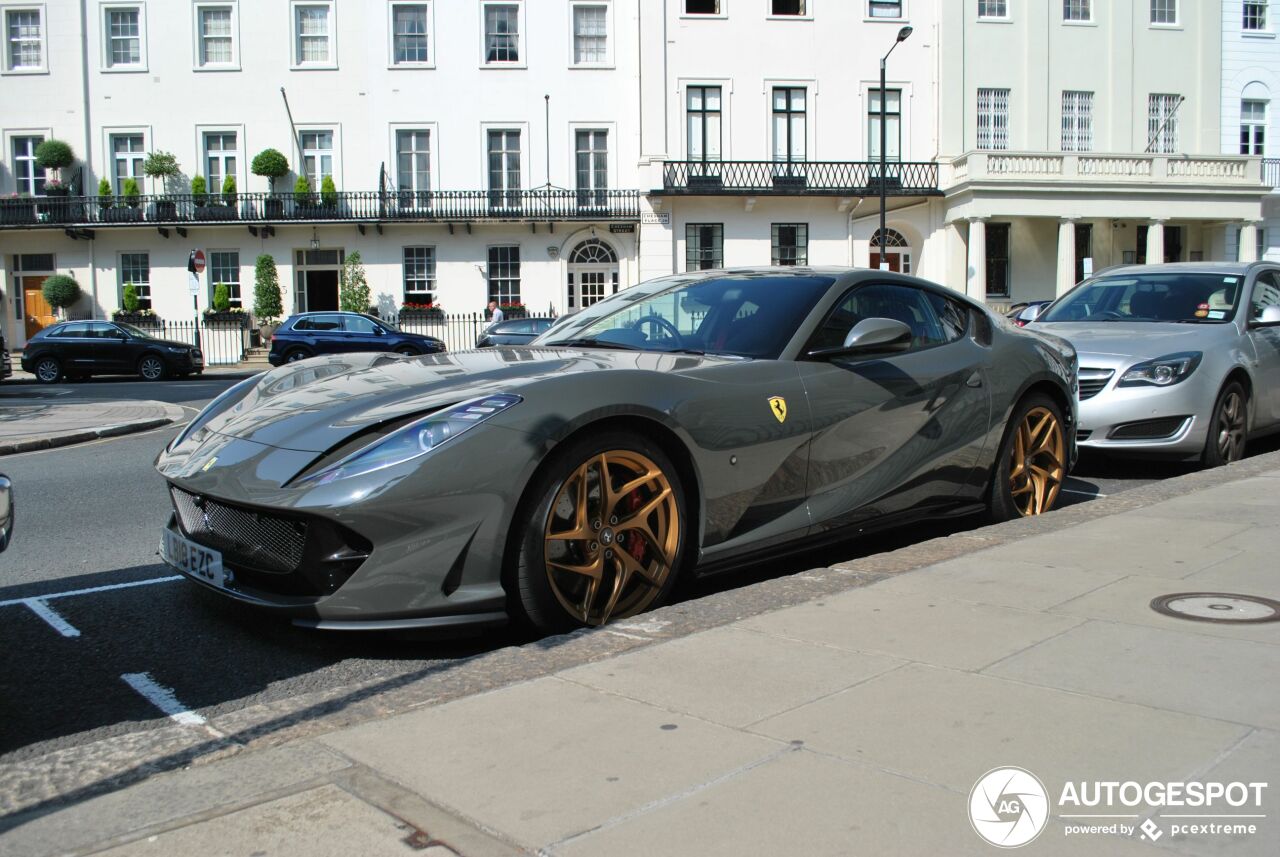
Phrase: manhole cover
(1217,607)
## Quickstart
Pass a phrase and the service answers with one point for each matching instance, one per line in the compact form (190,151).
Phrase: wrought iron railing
(458,331)
(457,205)
(1271,172)
(829,178)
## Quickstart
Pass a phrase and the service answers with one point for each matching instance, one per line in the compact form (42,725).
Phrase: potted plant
(221,312)
(266,296)
(131,310)
(304,201)
(271,164)
(162,167)
(17,208)
(328,193)
(513,310)
(55,155)
(126,204)
(229,191)
(199,191)
(426,311)
(106,198)
(61,292)
(353,285)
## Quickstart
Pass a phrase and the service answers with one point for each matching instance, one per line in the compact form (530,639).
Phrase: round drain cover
(1217,607)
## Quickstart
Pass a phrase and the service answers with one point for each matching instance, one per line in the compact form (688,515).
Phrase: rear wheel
(605,536)
(48,370)
(1032,462)
(151,368)
(1228,427)
(295,355)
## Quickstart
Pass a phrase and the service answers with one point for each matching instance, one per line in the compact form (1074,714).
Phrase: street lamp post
(884,136)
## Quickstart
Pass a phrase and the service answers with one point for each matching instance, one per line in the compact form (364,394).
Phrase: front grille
(1148,429)
(253,538)
(1092,381)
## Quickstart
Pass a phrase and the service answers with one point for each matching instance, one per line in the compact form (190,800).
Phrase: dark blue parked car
(310,333)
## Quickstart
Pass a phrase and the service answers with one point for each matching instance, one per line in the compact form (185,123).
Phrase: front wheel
(48,370)
(1032,461)
(1228,427)
(605,535)
(151,368)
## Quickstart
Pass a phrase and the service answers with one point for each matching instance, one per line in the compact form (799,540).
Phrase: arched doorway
(896,251)
(593,273)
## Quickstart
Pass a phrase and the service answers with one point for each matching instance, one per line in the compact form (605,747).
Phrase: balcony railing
(804,178)
(1271,172)
(364,207)
(1076,168)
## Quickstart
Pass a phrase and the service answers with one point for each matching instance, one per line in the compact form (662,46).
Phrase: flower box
(121,214)
(215,212)
(237,318)
(139,319)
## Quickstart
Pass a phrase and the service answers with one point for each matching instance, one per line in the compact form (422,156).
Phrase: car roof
(1240,268)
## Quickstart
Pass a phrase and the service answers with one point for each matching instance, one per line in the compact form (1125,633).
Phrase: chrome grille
(253,538)
(1092,381)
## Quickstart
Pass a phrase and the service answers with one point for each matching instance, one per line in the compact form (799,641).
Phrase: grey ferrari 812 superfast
(677,428)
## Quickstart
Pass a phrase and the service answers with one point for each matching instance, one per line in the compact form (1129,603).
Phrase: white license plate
(190,558)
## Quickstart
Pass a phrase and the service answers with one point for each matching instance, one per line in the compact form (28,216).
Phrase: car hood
(170,342)
(1140,340)
(313,405)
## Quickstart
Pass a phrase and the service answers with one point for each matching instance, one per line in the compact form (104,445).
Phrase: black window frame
(814,342)
(715,231)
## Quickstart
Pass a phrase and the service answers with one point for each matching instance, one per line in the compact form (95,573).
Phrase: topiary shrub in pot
(229,190)
(302,196)
(266,296)
(162,168)
(55,155)
(130,299)
(328,193)
(61,292)
(271,164)
(106,198)
(353,285)
(199,190)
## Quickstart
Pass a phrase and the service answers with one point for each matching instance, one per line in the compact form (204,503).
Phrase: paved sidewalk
(855,723)
(28,424)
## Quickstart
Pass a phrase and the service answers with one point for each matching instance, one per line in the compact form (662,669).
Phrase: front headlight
(1163,371)
(177,349)
(414,440)
(227,399)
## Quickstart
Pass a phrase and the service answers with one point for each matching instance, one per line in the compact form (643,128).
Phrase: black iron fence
(458,332)
(829,178)
(222,342)
(461,206)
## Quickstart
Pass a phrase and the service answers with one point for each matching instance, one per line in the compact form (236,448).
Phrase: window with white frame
(790,243)
(703,246)
(135,270)
(590,34)
(702,7)
(28,176)
(993,9)
(216,35)
(591,167)
(1077,121)
(221,152)
(413,166)
(1164,12)
(892,125)
(410,34)
(504,168)
(1253,127)
(124,33)
(501,32)
(313,34)
(224,269)
(317,155)
(788,8)
(1162,122)
(1077,10)
(993,119)
(24,40)
(1255,15)
(128,151)
(419,275)
(884,8)
(504,274)
(789,120)
(702,106)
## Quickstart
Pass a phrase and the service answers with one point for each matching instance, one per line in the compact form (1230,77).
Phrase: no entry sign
(196,262)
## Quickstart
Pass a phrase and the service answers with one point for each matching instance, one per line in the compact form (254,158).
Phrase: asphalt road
(89,519)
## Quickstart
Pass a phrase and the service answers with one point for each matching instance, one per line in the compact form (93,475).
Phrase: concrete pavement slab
(1175,670)
(1129,600)
(1249,572)
(803,803)
(706,674)
(948,727)
(549,758)
(961,635)
(31,424)
(986,579)
(1247,501)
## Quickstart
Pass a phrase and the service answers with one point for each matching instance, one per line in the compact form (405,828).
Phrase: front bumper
(6,364)
(1149,420)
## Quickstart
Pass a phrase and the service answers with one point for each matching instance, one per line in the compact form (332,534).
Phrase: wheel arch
(1239,373)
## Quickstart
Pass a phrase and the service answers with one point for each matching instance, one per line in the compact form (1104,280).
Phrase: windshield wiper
(593,342)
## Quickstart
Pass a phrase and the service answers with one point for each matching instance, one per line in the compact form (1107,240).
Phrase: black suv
(311,333)
(78,349)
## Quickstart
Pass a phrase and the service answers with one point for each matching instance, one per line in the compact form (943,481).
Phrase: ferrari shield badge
(778,405)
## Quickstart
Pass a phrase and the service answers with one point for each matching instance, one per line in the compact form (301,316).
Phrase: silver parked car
(1180,360)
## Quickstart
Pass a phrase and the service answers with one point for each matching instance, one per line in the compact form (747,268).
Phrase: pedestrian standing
(495,312)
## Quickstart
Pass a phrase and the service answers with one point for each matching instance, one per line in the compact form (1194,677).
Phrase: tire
(613,569)
(1029,485)
(151,367)
(48,370)
(408,351)
(296,354)
(1228,427)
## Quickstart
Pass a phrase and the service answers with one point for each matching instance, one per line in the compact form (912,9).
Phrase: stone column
(1066,255)
(976,279)
(1155,242)
(1247,251)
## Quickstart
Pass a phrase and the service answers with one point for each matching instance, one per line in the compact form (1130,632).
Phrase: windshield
(1155,297)
(134,331)
(748,315)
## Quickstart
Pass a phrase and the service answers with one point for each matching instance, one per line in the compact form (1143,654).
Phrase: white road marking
(52,595)
(162,698)
(48,614)
(1081,493)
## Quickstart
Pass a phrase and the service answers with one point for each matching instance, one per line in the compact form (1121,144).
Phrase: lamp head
(904,33)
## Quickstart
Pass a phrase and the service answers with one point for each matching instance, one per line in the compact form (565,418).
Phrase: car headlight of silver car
(1163,371)
(414,440)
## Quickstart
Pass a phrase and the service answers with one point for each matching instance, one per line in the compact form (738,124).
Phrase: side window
(953,317)
(908,305)
(319,322)
(359,324)
(1266,293)
(303,324)
(68,331)
(103,331)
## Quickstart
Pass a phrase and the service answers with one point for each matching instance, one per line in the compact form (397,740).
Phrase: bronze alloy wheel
(1036,465)
(611,537)
(1229,431)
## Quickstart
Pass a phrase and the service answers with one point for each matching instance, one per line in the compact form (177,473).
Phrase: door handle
(974,380)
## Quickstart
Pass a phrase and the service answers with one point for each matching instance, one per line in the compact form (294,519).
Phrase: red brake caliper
(635,541)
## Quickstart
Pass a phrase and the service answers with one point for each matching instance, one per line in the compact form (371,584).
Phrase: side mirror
(378,331)
(870,334)
(6,512)
(1031,313)
(1270,315)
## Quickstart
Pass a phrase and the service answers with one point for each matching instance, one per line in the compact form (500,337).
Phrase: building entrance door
(316,280)
(36,310)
